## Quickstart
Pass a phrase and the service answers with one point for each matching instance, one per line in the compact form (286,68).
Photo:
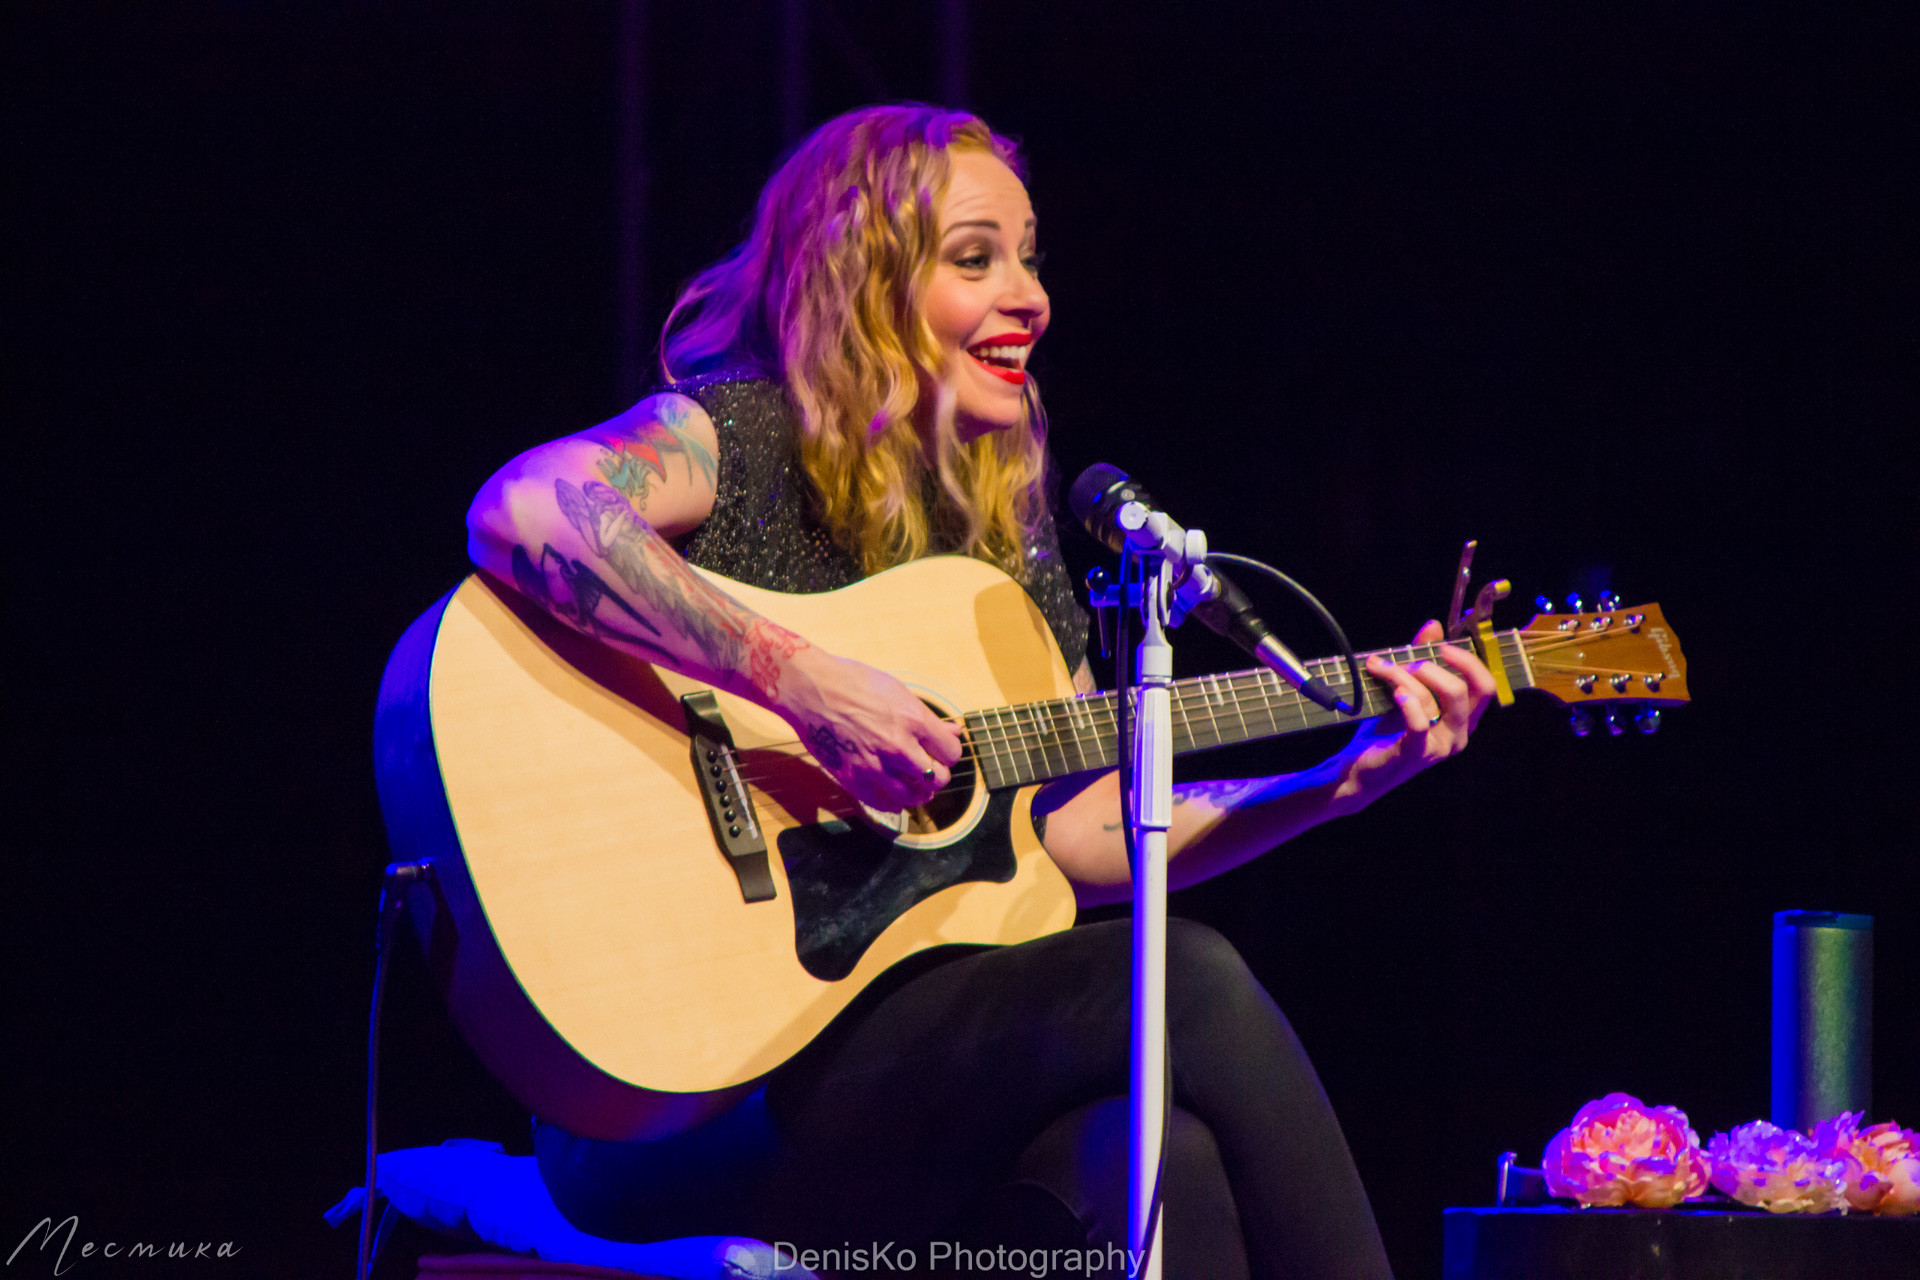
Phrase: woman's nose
(1026,299)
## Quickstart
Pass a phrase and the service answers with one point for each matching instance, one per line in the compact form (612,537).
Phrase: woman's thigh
(934,1083)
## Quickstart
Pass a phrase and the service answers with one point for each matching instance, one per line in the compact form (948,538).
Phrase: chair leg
(388,1217)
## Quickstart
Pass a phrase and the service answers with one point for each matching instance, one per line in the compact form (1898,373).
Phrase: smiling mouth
(1004,357)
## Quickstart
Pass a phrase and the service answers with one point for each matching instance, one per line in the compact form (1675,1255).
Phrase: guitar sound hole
(951,802)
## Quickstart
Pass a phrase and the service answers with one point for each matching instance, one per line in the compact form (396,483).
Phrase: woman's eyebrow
(988,223)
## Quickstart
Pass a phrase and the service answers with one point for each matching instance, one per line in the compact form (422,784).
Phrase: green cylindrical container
(1822,1016)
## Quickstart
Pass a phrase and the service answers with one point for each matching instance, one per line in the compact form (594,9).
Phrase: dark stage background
(1627,296)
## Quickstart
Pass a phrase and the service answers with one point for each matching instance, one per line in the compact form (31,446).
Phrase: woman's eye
(972,262)
(1034,261)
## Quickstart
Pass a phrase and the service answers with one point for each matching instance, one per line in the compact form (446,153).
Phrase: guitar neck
(1037,741)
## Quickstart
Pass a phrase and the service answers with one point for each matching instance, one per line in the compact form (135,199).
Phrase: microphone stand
(1167,553)
(1152,793)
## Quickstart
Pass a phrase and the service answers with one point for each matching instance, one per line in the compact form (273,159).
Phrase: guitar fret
(989,721)
(975,724)
(1042,722)
(1243,703)
(1234,702)
(1268,705)
(1056,734)
(1207,698)
(1290,701)
(1265,708)
(1209,691)
(1008,719)
(1077,718)
(1019,767)
(1110,731)
(1243,698)
(1330,673)
(1281,699)
(1033,741)
(1082,721)
(1186,722)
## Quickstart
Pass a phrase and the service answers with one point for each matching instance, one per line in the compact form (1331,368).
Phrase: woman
(848,392)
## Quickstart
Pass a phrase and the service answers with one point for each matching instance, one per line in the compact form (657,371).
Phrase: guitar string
(1004,752)
(962,780)
(1007,745)
(1094,714)
(999,739)
(1101,704)
(1528,643)
(1191,695)
(1007,758)
(1025,734)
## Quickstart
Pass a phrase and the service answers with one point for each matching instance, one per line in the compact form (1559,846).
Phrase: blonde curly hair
(827,289)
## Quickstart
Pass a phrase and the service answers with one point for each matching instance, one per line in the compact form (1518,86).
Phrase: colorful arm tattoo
(635,459)
(730,639)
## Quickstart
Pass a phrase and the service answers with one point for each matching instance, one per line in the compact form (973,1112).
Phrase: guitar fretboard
(1035,741)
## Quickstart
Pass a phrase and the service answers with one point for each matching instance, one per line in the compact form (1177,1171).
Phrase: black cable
(399,876)
(1354,707)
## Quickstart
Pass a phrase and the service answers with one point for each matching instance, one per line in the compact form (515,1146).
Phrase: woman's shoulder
(728,386)
(754,428)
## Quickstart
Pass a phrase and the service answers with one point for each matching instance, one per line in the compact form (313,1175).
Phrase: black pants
(984,1095)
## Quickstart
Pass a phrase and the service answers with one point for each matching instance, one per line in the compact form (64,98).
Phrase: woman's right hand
(879,741)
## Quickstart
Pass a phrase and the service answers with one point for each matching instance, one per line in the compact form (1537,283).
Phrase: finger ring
(926,775)
(1434,721)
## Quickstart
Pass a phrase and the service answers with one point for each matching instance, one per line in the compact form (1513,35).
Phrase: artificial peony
(1620,1151)
(1882,1163)
(1780,1170)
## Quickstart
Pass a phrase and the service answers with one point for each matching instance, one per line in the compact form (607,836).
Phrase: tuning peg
(1543,603)
(1580,722)
(1573,602)
(1609,601)
(1648,721)
(1612,720)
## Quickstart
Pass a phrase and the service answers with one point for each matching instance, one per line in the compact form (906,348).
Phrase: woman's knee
(1205,971)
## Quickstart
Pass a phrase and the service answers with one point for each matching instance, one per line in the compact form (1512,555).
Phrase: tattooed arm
(1219,825)
(581,525)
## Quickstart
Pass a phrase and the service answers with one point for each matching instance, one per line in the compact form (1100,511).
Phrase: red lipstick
(1006,372)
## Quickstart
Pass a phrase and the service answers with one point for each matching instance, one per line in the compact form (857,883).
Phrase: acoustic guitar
(647,895)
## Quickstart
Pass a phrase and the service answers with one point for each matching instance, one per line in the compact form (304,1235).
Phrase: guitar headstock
(1609,656)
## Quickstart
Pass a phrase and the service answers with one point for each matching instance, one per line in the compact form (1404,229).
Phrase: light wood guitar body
(592,941)
(641,905)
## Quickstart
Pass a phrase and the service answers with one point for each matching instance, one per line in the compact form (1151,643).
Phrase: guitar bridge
(716,772)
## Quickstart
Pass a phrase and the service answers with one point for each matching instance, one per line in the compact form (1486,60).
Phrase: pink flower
(1781,1170)
(1620,1151)
(1882,1163)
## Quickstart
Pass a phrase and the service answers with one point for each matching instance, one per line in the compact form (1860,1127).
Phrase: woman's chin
(969,426)
(985,409)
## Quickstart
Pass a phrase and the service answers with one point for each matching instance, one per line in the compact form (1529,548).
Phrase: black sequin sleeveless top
(764,529)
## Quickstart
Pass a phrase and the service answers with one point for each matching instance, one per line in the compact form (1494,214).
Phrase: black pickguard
(849,882)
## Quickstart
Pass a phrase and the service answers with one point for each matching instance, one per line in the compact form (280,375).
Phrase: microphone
(1096,500)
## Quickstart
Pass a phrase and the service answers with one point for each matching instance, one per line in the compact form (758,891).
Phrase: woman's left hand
(1435,710)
